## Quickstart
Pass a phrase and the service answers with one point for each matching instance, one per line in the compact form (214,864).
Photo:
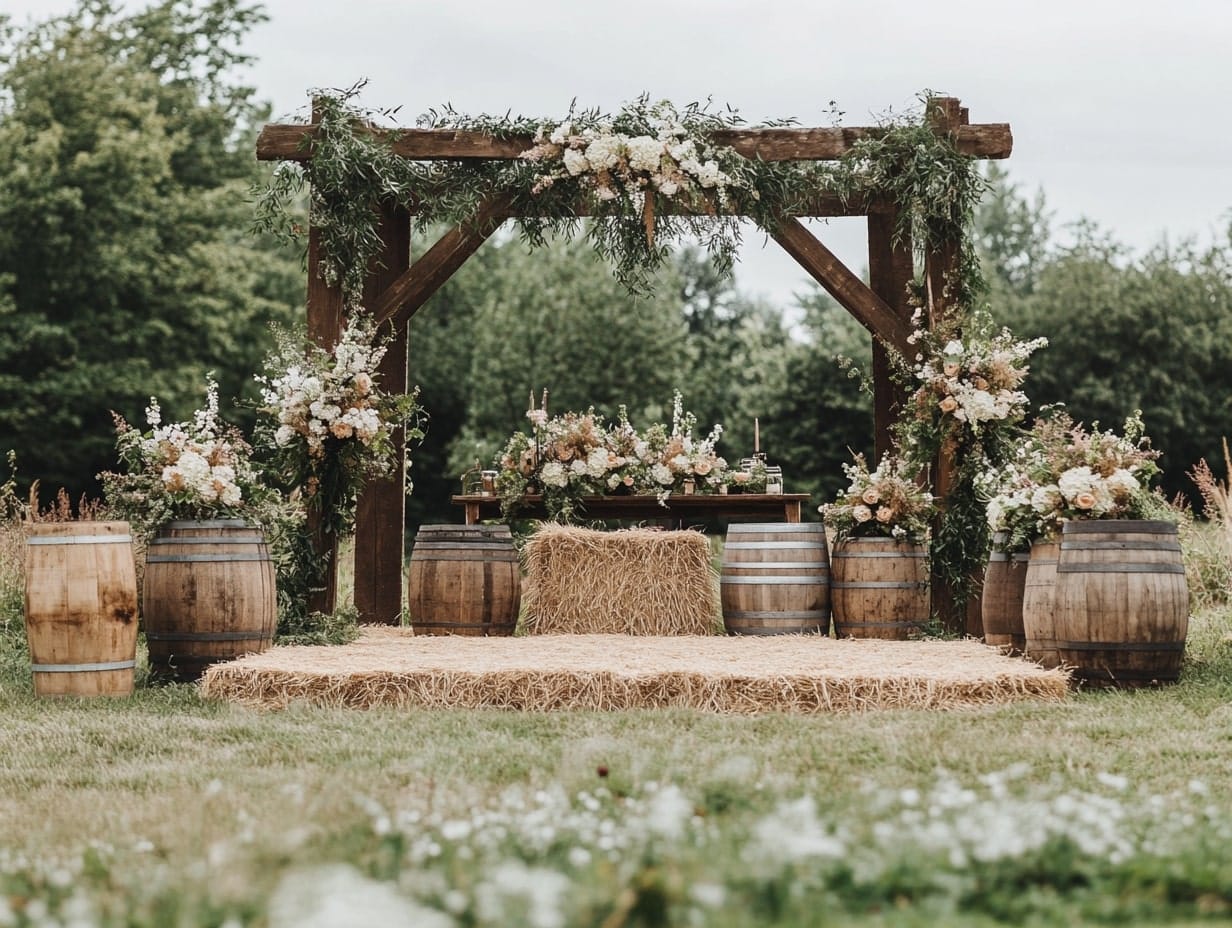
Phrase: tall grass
(1208,546)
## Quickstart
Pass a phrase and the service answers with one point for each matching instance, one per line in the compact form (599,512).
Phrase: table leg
(791,510)
(472,513)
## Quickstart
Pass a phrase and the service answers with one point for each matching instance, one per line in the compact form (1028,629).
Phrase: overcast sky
(1120,109)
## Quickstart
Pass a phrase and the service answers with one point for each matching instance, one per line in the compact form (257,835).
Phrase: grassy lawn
(165,810)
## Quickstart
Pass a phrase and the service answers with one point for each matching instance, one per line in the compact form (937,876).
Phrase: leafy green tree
(1151,333)
(126,267)
(1012,235)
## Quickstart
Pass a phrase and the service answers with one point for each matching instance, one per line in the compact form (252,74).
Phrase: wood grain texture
(880,589)
(849,290)
(890,271)
(678,508)
(1005,584)
(775,579)
(81,606)
(284,142)
(464,580)
(1038,603)
(380,516)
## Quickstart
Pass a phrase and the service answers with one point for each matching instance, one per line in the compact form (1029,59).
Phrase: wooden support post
(890,270)
(325,322)
(380,524)
(942,267)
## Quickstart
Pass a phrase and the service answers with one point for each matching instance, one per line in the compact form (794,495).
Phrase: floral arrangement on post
(965,401)
(200,469)
(574,455)
(328,425)
(887,502)
(1063,471)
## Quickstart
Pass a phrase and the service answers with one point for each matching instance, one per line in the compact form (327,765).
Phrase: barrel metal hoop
(909,623)
(881,585)
(744,528)
(773,545)
(1118,527)
(1122,568)
(777,581)
(808,629)
(1120,546)
(204,558)
(79,539)
(210,523)
(777,565)
(796,614)
(1145,646)
(862,554)
(211,540)
(206,636)
(82,668)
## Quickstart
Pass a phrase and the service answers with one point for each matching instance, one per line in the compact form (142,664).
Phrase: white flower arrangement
(888,501)
(182,470)
(612,164)
(328,424)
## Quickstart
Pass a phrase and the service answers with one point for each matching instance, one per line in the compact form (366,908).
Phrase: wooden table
(784,507)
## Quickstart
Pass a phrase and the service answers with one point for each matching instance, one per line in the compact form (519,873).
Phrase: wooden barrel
(1122,604)
(209,596)
(81,608)
(1038,597)
(880,588)
(775,579)
(1005,582)
(464,580)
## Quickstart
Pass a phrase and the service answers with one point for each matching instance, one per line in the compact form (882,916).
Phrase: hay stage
(388,667)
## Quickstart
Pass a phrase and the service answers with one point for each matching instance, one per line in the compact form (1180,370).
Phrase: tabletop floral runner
(572,455)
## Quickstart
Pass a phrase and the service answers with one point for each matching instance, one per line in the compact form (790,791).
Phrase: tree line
(127,268)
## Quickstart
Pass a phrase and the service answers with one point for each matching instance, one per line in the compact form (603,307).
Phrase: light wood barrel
(775,579)
(880,588)
(1005,583)
(209,596)
(1038,599)
(1122,604)
(464,580)
(81,608)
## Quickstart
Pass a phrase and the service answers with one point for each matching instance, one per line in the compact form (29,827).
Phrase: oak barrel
(1005,582)
(1122,603)
(1038,598)
(775,579)
(209,596)
(464,580)
(880,588)
(81,608)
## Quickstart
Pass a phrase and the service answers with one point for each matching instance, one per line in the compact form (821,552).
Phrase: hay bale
(391,668)
(630,582)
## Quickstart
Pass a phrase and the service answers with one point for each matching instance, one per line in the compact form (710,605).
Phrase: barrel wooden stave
(775,579)
(1001,601)
(209,596)
(1122,602)
(81,608)
(880,588)
(1038,602)
(464,580)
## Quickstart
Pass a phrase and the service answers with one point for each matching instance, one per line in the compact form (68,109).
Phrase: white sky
(1119,108)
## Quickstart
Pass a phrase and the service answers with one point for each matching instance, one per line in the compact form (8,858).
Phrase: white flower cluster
(668,162)
(977,382)
(194,461)
(332,398)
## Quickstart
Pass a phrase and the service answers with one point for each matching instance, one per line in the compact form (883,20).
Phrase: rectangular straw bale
(391,668)
(631,582)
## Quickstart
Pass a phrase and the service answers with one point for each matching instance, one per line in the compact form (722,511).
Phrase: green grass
(1112,808)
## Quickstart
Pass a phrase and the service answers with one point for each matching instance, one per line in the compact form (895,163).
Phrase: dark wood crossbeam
(282,142)
(415,286)
(850,291)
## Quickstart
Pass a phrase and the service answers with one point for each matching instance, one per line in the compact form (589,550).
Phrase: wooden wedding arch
(396,287)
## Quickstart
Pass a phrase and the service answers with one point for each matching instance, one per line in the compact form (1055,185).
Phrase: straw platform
(389,667)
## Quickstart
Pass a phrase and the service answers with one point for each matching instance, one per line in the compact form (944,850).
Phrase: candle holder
(487,482)
(774,480)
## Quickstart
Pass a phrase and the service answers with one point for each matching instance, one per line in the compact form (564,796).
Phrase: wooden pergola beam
(399,301)
(850,291)
(284,142)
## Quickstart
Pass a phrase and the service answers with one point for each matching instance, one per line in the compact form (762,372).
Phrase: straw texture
(633,582)
(389,667)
